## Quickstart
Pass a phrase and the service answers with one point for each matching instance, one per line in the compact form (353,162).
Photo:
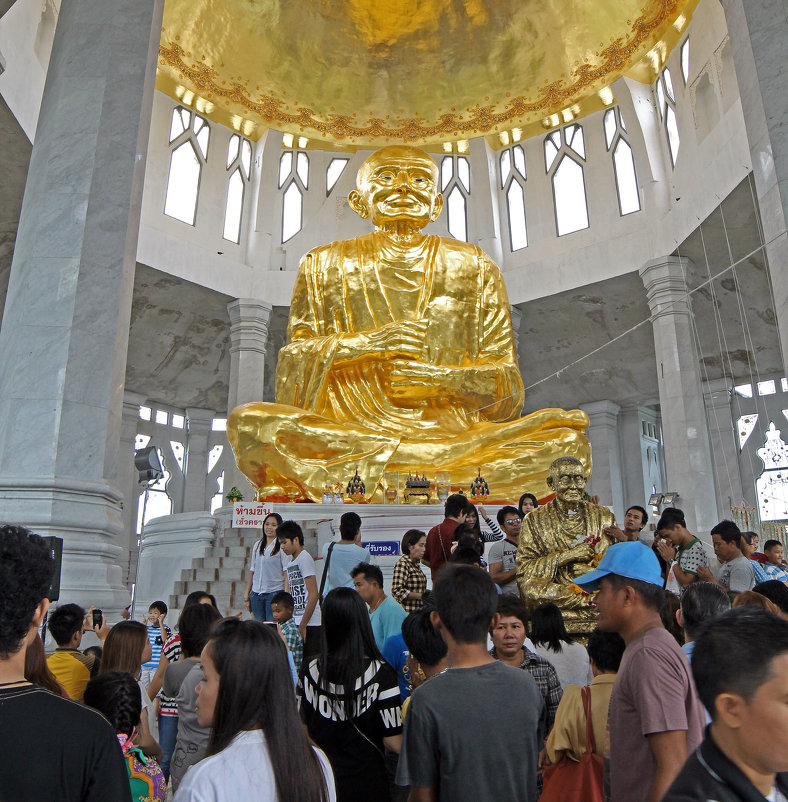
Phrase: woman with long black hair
(258,748)
(351,701)
(557,646)
(266,570)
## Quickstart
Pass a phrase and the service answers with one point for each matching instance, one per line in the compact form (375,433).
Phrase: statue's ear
(436,209)
(549,481)
(357,204)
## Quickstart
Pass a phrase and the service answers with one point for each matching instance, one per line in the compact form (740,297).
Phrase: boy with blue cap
(656,719)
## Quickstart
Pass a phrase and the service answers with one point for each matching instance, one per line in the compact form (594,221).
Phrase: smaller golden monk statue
(561,541)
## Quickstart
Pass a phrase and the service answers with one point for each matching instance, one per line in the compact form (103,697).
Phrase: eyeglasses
(513,520)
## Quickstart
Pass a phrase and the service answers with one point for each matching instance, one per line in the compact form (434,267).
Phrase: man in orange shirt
(72,669)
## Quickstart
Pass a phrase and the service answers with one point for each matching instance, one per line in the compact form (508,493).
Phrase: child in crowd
(116,696)
(158,634)
(282,611)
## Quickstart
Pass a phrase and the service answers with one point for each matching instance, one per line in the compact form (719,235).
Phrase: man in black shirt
(740,666)
(52,748)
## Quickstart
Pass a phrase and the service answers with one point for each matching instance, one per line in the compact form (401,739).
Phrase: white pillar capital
(199,420)
(133,400)
(249,320)
(666,285)
(602,413)
(718,393)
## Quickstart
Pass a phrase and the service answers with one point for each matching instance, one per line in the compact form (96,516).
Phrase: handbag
(570,781)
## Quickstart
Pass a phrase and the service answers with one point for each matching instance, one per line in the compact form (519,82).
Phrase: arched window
(239,168)
(565,154)
(513,176)
(293,181)
(666,110)
(189,135)
(456,188)
(333,172)
(685,54)
(623,162)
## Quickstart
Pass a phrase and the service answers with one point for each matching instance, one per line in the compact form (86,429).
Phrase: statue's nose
(402,180)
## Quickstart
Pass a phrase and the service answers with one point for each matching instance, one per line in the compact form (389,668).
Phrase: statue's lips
(402,202)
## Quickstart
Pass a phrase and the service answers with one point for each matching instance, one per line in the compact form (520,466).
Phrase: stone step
(229,563)
(225,563)
(230,551)
(199,574)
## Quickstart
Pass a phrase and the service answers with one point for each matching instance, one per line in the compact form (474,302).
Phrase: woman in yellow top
(409,581)
(568,735)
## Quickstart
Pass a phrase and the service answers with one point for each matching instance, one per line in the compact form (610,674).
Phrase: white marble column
(66,321)
(684,428)
(724,448)
(199,423)
(758,32)
(249,321)
(128,482)
(606,481)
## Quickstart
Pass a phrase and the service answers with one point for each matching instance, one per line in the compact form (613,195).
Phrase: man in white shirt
(301,584)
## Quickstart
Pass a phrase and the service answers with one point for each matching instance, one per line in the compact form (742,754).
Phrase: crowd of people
(340,690)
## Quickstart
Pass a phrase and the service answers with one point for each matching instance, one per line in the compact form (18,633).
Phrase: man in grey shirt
(737,573)
(453,751)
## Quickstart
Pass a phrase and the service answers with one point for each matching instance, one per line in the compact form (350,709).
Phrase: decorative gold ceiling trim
(617,58)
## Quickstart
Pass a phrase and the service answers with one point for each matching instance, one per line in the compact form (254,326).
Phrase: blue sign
(383,548)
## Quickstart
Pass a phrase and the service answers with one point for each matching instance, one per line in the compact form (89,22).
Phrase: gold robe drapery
(333,415)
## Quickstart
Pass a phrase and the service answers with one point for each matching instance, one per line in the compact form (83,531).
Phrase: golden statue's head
(567,477)
(398,183)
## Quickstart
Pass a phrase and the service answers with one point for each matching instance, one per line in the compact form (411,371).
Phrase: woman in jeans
(266,571)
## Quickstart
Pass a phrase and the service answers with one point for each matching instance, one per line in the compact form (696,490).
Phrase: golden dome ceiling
(360,73)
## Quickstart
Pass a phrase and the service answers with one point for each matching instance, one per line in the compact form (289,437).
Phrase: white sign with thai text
(250,514)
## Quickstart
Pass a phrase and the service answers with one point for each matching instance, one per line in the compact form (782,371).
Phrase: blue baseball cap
(633,559)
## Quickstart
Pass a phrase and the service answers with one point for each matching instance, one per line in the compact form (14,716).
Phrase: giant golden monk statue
(399,357)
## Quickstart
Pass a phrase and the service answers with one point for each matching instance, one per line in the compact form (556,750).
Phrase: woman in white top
(258,749)
(266,570)
(556,645)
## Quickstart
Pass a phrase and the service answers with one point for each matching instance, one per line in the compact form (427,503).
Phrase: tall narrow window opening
(455,181)
(239,168)
(565,155)
(666,110)
(189,135)
(513,178)
(334,170)
(618,146)
(293,181)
